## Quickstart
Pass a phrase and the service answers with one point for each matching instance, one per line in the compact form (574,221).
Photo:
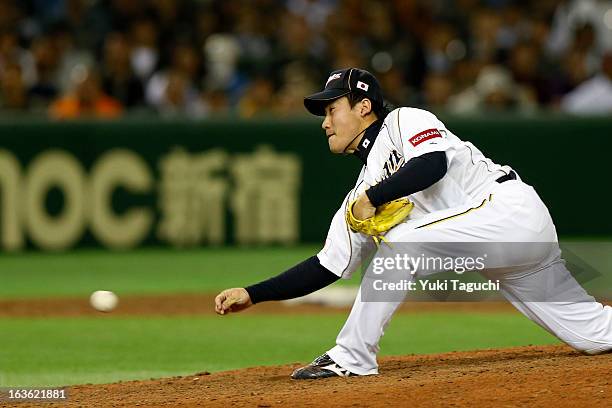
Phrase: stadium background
(160,149)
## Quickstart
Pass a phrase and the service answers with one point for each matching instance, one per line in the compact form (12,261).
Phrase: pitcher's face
(341,124)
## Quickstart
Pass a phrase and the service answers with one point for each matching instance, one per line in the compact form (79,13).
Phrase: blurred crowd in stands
(248,58)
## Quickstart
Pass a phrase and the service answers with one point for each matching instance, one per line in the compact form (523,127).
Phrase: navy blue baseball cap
(341,83)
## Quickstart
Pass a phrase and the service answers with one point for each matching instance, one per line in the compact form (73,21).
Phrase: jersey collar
(367,141)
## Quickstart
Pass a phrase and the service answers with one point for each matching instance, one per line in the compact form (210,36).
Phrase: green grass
(145,271)
(61,351)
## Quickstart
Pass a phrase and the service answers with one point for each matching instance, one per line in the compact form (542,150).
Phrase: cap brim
(316,103)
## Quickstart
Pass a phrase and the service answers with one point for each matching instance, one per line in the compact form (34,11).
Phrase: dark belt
(506,177)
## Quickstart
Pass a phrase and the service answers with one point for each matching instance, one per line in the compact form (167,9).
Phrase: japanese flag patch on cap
(362,85)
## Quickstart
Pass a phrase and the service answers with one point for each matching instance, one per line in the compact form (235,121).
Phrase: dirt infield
(551,376)
(181,304)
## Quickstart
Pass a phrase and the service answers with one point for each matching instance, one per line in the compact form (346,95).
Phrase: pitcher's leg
(357,343)
(553,299)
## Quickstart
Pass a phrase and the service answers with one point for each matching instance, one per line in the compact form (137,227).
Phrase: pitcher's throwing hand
(232,300)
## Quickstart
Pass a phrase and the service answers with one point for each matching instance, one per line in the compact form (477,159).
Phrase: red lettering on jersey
(424,136)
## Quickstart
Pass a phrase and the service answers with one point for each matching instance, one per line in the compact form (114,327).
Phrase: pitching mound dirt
(551,376)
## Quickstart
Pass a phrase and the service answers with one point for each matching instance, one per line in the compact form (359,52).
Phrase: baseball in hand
(103,300)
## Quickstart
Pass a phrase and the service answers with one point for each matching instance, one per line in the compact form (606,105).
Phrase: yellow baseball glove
(387,216)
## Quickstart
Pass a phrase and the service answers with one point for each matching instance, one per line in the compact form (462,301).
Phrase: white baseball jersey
(407,133)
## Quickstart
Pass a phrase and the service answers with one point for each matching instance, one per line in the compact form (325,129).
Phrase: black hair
(381,110)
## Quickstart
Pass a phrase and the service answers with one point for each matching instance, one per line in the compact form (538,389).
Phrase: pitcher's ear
(366,106)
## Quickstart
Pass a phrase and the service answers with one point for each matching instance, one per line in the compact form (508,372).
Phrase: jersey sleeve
(417,132)
(344,250)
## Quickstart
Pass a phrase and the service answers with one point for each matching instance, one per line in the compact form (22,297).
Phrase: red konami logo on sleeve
(424,136)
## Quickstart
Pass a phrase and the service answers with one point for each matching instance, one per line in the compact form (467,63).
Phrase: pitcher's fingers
(219,301)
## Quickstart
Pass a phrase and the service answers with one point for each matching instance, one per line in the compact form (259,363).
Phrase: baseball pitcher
(413,165)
